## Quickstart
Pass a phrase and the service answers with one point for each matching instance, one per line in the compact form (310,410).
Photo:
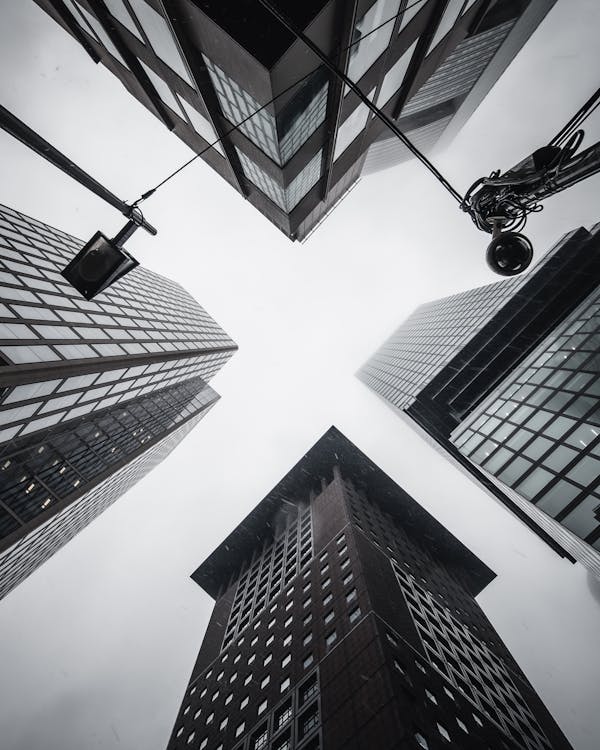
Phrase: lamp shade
(98,264)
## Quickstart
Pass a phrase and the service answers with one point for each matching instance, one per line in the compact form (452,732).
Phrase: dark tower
(345,618)
(204,66)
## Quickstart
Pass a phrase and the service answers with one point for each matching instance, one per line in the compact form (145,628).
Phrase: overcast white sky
(96,647)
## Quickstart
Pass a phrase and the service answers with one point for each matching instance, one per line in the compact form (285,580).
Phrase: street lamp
(102,261)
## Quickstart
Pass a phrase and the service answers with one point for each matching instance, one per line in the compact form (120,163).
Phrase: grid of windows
(40,472)
(22,558)
(270,573)
(61,436)
(43,319)
(285,198)
(459,72)
(465,659)
(237,104)
(424,344)
(539,431)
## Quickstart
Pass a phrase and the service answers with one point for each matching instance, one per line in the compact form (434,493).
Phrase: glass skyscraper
(92,393)
(506,378)
(204,68)
(345,618)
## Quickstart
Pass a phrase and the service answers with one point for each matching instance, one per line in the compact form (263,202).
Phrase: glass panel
(101,35)
(582,521)
(394,77)
(447,21)
(120,12)
(237,104)
(200,124)
(351,127)
(262,180)
(304,181)
(364,54)
(535,482)
(557,498)
(412,8)
(163,90)
(161,38)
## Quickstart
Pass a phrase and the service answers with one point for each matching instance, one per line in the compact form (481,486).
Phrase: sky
(97,646)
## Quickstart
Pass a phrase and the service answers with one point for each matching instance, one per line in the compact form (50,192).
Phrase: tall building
(345,618)
(92,394)
(506,379)
(203,67)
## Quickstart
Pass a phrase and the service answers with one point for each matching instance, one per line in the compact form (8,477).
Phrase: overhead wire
(216,142)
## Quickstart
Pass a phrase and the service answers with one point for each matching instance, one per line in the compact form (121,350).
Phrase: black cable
(580,116)
(150,192)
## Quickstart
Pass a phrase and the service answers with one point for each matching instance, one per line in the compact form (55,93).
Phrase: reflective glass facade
(290,134)
(345,614)
(86,387)
(505,379)
(539,432)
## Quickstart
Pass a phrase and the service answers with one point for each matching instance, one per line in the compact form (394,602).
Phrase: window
(306,602)
(354,614)
(262,707)
(307,639)
(215,695)
(345,563)
(326,582)
(260,739)
(240,728)
(328,617)
(478,720)
(285,683)
(244,702)
(331,639)
(308,689)
(431,696)
(254,641)
(248,679)
(223,723)
(265,681)
(288,622)
(251,658)
(229,699)
(283,714)
(233,677)
(287,640)
(307,661)
(268,658)
(421,741)
(348,578)
(342,550)
(197,714)
(462,725)
(191,737)
(449,693)
(272,623)
(327,599)
(286,660)
(309,721)
(351,595)
(270,640)
(307,618)
(237,658)
(220,675)
(204,743)
(444,732)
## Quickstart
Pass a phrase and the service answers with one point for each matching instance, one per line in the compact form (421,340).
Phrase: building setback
(506,379)
(345,618)
(203,67)
(92,394)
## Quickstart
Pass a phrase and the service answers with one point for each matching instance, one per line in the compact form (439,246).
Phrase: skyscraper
(505,378)
(92,394)
(345,618)
(203,67)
